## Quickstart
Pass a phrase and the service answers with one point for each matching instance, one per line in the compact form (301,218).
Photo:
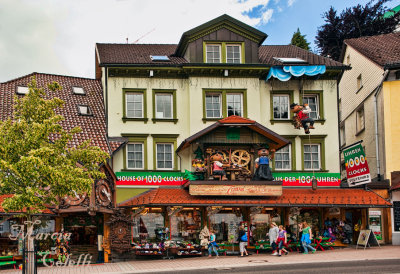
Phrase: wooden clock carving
(75,199)
(103,193)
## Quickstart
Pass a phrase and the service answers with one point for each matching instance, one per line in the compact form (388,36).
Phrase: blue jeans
(211,248)
(307,247)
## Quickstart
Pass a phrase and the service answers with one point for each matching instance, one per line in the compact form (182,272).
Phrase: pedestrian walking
(273,237)
(212,245)
(282,239)
(306,238)
(242,241)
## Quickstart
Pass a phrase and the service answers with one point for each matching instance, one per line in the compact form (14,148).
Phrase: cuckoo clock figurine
(218,166)
(302,117)
(263,171)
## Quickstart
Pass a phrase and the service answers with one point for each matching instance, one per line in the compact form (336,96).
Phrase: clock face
(103,193)
(75,199)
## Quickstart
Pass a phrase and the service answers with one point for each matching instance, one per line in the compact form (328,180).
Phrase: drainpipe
(378,165)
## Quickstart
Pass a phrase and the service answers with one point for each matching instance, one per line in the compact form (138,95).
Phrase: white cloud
(290,2)
(58,36)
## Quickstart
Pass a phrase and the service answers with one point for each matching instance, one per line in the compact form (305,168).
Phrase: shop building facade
(368,112)
(219,90)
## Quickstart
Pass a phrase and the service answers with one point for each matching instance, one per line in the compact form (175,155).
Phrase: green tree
(38,164)
(300,40)
(353,22)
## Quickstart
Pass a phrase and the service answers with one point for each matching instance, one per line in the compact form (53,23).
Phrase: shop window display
(147,228)
(186,226)
(259,226)
(311,216)
(226,226)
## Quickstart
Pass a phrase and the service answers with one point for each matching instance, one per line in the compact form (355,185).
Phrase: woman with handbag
(242,241)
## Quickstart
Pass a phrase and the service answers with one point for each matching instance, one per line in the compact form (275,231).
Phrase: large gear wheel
(240,157)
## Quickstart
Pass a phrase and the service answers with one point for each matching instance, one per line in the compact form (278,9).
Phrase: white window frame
(220,104)
(241,103)
(316,105)
(22,90)
(127,158)
(126,104)
(360,120)
(220,53)
(290,159)
(89,112)
(288,106)
(172,156)
(312,159)
(77,90)
(172,105)
(240,53)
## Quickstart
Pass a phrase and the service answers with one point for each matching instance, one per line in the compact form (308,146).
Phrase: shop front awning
(356,198)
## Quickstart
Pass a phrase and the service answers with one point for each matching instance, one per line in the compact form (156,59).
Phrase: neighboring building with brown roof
(369,107)
(84,108)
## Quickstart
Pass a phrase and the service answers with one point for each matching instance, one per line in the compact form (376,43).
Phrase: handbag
(244,237)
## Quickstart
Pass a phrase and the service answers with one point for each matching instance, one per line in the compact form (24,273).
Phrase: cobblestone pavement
(143,266)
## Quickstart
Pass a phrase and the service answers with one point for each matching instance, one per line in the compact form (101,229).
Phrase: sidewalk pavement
(143,266)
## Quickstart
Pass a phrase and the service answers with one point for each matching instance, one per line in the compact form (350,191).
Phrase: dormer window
(21,90)
(78,90)
(84,110)
(224,52)
(213,53)
(233,54)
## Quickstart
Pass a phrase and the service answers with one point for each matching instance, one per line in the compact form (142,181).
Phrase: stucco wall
(391,96)
(351,99)
(190,111)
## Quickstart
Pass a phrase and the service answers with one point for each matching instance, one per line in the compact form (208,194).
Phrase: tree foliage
(300,40)
(37,162)
(353,22)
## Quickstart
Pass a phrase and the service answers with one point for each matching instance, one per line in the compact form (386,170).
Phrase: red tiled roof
(3,197)
(116,143)
(267,53)
(233,119)
(93,126)
(140,54)
(290,197)
(381,49)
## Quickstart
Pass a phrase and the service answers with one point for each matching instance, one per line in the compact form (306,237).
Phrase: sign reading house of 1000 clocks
(149,179)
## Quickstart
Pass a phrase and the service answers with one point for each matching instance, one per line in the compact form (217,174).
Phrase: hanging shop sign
(356,165)
(305,179)
(150,178)
(236,190)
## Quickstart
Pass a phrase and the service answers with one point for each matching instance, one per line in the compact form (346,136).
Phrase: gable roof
(139,55)
(93,126)
(383,50)
(234,120)
(223,21)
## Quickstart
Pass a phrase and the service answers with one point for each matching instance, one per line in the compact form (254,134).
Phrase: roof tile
(293,197)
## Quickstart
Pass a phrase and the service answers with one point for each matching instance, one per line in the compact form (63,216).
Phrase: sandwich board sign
(367,237)
(356,165)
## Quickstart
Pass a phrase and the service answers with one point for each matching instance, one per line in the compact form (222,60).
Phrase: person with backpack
(242,241)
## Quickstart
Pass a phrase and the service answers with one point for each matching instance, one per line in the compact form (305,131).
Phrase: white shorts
(242,246)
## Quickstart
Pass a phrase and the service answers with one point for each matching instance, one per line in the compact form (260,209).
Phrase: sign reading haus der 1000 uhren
(356,165)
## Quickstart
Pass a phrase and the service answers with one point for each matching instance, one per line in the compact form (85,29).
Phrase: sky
(59,36)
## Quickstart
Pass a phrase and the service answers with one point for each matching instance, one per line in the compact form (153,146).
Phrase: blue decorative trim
(286,72)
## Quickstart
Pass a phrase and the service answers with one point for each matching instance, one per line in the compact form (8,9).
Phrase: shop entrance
(84,231)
